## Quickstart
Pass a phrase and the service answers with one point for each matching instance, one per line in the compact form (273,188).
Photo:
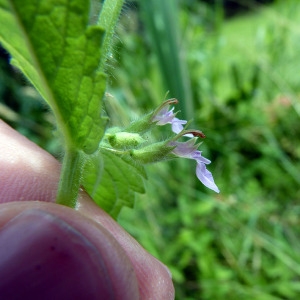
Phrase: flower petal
(199,158)
(165,116)
(177,125)
(206,177)
(184,149)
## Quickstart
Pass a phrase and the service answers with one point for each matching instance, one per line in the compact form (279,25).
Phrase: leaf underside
(51,43)
(113,180)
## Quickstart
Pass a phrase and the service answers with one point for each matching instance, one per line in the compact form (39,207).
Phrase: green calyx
(142,125)
(152,153)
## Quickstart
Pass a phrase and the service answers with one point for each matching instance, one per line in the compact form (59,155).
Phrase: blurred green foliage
(242,82)
(22,107)
(245,242)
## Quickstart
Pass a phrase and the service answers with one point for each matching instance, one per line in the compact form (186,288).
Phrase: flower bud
(123,140)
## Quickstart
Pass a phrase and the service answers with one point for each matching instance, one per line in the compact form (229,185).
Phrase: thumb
(49,251)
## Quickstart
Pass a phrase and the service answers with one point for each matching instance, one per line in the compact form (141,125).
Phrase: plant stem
(108,19)
(70,178)
(73,160)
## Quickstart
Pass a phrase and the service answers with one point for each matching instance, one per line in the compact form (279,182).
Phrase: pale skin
(88,253)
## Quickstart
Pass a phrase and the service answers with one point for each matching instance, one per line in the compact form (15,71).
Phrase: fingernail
(43,257)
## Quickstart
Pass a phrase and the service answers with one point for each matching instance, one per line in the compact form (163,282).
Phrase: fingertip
(154,278)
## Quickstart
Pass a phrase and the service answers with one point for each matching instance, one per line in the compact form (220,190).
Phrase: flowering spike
(130,140)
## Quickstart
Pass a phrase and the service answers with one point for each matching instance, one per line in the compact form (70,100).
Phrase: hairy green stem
(73,160)
(108,19)
(70,178)
(71,172)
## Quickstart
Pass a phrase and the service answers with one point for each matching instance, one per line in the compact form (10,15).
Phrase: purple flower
(189,150)
(166,116)
(177,126)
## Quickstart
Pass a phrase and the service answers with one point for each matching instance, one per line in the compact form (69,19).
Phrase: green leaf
(112,180)
(52,44)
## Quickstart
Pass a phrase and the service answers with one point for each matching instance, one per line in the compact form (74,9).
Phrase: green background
(237,76)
